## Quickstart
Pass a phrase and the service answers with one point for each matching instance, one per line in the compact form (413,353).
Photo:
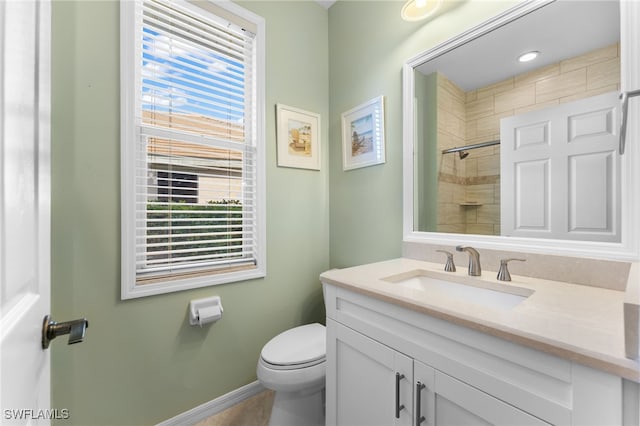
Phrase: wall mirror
(523,155)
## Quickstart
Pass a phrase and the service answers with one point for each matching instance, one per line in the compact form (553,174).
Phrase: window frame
(130,72)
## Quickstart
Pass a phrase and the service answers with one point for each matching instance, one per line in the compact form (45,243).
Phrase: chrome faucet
(474,260)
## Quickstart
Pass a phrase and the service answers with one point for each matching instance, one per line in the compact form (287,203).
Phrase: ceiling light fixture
(529,56)
(415,10)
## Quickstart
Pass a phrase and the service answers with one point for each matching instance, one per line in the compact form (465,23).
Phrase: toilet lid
(299,345)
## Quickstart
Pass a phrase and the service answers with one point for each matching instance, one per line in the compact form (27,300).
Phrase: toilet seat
(292,366)
(294,361)
(307,379)
(299,347)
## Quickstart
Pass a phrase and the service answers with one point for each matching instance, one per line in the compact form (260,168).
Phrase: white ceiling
(325,3)
(560,30)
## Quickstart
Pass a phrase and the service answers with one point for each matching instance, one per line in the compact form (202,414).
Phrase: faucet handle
(503,272)
(449,266)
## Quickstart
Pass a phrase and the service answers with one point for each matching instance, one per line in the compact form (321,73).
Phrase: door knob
(51,329)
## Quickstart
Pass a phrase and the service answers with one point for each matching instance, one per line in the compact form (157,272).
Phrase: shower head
(463,154)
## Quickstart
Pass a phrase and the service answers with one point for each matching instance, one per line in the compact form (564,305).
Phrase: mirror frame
(629,247)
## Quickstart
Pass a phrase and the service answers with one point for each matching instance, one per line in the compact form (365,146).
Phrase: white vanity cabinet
(372,384)
(363,380)
(469,377)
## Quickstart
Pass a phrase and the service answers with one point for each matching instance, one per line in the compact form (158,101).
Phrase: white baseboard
(215,406)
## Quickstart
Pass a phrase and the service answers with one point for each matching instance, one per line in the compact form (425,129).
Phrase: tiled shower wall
(469,189)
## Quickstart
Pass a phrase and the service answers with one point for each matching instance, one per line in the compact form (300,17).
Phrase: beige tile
(471,95)
(450,214)
(450,123)
(451,87)
(458,194)
(565,84)
(483,194)
(445,98)
(537,75)
(450,103)
(480,229)
(519,97)
(479,108)
(489,214)
(596,56)
(447,165)
(471,215)
(471,168)
(447,178)
(489,127)
(493,89)
(537,106)
(445,140)
(471,129)
(589,93)
(451,165)
(454,229)
(448,192)
(460,165)
(489,165)
(254,411)
(603,74)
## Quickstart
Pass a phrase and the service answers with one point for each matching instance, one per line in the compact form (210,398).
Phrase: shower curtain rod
(468,147)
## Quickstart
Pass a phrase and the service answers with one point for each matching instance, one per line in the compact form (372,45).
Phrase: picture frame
(298,138)
(363,141)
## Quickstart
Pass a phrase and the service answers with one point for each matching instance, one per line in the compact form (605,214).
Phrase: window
(192,147)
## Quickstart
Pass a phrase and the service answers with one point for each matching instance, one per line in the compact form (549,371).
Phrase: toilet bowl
(293,365)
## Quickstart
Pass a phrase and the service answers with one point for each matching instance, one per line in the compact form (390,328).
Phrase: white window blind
(195,168)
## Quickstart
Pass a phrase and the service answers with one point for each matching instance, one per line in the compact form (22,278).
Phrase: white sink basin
(470,289)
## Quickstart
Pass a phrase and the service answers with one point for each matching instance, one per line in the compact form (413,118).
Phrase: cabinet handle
(419,417)
(398,406)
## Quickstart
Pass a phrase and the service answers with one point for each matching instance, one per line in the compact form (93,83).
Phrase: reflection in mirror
(523,149)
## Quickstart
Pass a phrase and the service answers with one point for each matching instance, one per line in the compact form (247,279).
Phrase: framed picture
(298,138)
(363,135)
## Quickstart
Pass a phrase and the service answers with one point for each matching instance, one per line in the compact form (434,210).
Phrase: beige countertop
(580,323)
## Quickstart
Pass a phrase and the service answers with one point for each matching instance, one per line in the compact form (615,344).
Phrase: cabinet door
(366,381)
(458,404)
(424,394)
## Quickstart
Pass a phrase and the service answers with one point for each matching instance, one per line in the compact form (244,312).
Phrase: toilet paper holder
(205,311)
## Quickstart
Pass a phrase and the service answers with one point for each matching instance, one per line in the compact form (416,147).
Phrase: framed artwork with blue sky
(363,135)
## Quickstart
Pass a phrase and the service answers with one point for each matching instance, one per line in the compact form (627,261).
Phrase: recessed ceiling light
(415,10)
(529,56)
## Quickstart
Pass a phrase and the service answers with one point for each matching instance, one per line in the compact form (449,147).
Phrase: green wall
(368,44)
(426,152)
(142,362)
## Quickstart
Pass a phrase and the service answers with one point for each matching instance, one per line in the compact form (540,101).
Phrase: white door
(24,210)
(425,385)
(560,172)
(368,383)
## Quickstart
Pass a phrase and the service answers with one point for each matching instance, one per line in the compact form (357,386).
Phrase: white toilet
(293,365)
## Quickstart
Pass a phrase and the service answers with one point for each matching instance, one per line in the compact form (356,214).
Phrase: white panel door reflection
(560,173)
